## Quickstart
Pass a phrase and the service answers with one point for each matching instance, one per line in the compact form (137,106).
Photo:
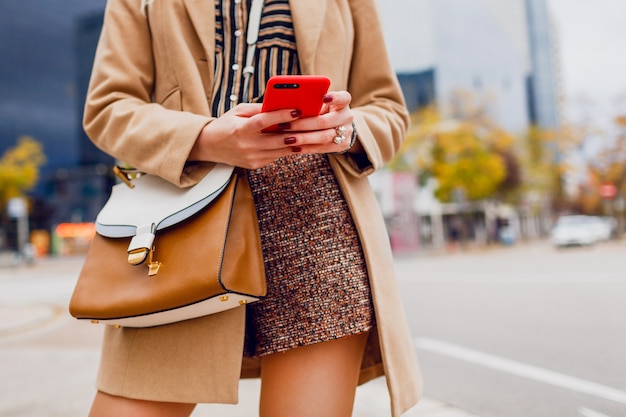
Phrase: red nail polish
(328,99)
(290,141)
(296,149)
(296,113)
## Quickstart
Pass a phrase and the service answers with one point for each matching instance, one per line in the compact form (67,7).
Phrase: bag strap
(254,22)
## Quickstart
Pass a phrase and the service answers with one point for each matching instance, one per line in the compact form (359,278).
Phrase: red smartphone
(301,92)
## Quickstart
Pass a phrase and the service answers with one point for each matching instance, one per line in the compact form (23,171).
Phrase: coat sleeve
(380,113)
(121,115)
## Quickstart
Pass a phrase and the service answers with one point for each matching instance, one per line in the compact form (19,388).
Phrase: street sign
(608,191)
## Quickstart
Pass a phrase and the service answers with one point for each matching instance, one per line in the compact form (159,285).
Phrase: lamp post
(18,212)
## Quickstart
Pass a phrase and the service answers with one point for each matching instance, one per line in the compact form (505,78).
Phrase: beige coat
(149,99)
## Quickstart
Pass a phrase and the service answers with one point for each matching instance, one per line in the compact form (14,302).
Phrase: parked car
(578,230)
(602,226)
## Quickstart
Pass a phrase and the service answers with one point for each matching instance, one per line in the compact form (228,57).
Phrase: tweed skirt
(317,283)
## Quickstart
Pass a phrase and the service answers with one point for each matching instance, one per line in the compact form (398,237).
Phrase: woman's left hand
(321,134)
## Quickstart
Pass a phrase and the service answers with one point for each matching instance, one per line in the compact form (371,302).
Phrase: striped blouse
(275,55)
(317,283)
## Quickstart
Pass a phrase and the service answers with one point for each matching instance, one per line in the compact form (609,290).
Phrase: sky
(592,43)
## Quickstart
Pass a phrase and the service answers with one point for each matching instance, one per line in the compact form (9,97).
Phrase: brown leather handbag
(201,245)
(163,254)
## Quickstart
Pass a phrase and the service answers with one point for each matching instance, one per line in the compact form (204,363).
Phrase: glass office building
(501,52)
(542,81)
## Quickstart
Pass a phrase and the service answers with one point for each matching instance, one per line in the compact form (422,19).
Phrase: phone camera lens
(286,86)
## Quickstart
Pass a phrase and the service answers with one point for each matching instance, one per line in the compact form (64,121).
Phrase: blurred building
(46,53)
(499,50)
(543,82)
(497,54)
(462,55)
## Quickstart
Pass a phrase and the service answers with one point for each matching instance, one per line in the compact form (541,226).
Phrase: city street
(530,331)
(505,332)
(48,360)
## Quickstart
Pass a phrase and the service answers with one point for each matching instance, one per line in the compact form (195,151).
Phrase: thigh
(106,405)
(316,380)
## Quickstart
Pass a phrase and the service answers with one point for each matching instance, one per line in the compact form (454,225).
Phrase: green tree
(19,169)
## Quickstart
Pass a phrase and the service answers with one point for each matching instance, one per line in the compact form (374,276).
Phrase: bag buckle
(153,266)
(141,249)
(126,174)
(138,256)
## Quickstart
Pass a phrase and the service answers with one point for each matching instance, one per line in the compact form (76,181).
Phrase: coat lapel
(308,22)
(202,15)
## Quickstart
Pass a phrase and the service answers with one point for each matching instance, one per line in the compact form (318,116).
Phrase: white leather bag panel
(154,201)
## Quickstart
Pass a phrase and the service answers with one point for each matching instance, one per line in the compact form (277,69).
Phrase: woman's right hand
(236,139)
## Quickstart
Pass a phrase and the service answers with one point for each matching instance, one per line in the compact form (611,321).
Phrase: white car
(575,230)
(603,227)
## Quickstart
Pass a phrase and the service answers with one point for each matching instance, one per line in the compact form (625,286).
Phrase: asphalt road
(519,331)
(528,331)
(48,360)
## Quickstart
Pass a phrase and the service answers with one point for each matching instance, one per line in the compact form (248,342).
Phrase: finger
(260,158)
(278,120)
(336,100)
(329,120)
(247,109)
(322,141)
(341,139)
(268,142)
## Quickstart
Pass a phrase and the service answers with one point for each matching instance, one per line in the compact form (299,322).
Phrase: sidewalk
(49,360)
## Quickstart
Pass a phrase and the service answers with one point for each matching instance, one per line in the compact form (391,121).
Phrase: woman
(166,96)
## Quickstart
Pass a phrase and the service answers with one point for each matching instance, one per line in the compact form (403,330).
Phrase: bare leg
(312,381)
(106,405)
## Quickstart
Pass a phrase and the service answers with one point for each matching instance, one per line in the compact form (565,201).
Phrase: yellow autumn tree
(415,152)
(542,167)
(463,161)
(19,169)
(615,157)
(466,156)
(609,166)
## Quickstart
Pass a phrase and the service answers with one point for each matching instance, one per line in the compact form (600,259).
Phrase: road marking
(585,412)
(521,369)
